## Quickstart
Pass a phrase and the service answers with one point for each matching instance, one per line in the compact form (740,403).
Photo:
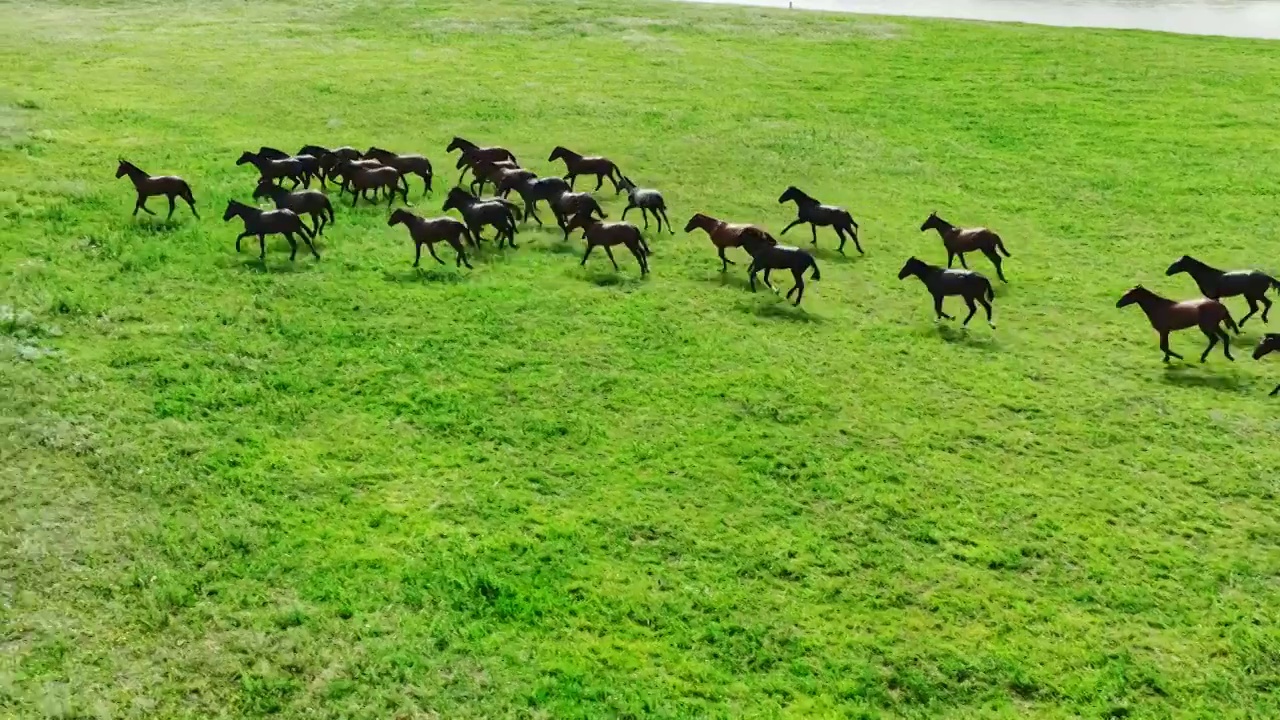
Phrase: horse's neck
(1199,271)
(137,176)
(713,226)
(946,229)
(1153,304)
(570,156)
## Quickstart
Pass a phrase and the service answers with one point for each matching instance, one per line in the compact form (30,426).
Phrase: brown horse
(274,171)
(608,234)
(472,154)
(568,204)
(726,235)
(587,165)
(1269,343)
(486,172)
(404,164)
(269,222)
(171,186)
(1167,316)
(431,231)
(364,179)
(959,241)
(302,202)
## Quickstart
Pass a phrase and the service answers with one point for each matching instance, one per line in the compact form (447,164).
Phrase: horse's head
(246,157)
(375,152)
(459,144)
(1182,264)
(931,222)
(264,189)
(399,216)
(1136,294)
(273,153)
(697,221)
(792,193)
(1268,343)
(233,209)
(123,168)
(913,266)
(580,221)
(558,152)
(457,199)
(625,185)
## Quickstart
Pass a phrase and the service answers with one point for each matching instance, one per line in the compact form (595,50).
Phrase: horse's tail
(991,291)
(1000,245)
(1272,282)
(814,263)
(328,206)
(615,173)
(849,218)
(304,230)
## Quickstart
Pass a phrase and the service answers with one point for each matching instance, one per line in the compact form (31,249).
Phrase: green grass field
(343,489)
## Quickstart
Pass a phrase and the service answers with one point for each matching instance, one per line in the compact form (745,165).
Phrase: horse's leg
(785,229)
(1164,345)
(306,237)
(994,257)
(172,207)
(664,217)
(609,251)
(599,183)
(973,308)
(1275,392)
(293,246)
(417,253)
(751,273)
(964,264)
(1212,334)
(951,256)
(799,288)
(241,236)
(767,283)
(1266,306)
(572,178)
(262,246)
(1226,344)
(937,307)
(431,248)
(142,205)
(355,195)
(814,228)
(987,306)
(843,240)
(657,219)
(585,254)
(1253,308)
(726,262)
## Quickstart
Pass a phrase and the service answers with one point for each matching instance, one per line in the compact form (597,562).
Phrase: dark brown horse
(586,165)
(809,210)
(472,154)
(486,172)
(269,222)
(477,213)
(302,202)
(404,164)
(171,186)
(532,190)
(381,177)
(1269,343)
(431,231)
(275,170)
(1167,316)
(608,234)
(575,203)
(310,163)
(959,241)
(1217,284)
(941,282)
(726,235)
(766,254)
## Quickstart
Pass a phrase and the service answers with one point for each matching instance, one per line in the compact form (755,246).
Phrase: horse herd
(376,171)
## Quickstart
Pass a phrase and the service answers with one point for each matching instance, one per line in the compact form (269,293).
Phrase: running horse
(959,241)
(809,210)
(1217,284)
(171,186)
(1269,343)
(726,235)
(472,154)
(1167,316)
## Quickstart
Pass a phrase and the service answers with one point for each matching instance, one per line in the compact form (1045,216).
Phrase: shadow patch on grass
(1198,376)
(968,338)
(782,310)
(432,275)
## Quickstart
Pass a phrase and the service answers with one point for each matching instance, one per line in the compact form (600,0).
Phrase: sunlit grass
(346,488)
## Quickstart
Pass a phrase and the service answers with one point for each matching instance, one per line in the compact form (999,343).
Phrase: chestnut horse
(726,235)
(959,241)
(1167,316)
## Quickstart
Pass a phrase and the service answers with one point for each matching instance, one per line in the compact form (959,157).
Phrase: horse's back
(1198,310)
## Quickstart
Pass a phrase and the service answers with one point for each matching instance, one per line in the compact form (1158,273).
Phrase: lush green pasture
(344,489)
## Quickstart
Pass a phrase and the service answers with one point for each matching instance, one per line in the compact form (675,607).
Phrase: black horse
(941,282)
(269,222)
(767,255)
(547,189)
(1269,343)
(499,213)
(809,210)
(1217,284)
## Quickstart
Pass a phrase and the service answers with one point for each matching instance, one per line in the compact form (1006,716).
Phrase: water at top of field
(1238,18)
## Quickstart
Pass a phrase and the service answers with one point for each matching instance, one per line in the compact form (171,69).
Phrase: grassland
(343,489)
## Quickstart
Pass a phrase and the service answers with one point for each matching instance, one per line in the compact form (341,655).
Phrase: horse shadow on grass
(426,275)
(985,341)
(155,227)
(779,310)
(270,267)
(1198,376)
